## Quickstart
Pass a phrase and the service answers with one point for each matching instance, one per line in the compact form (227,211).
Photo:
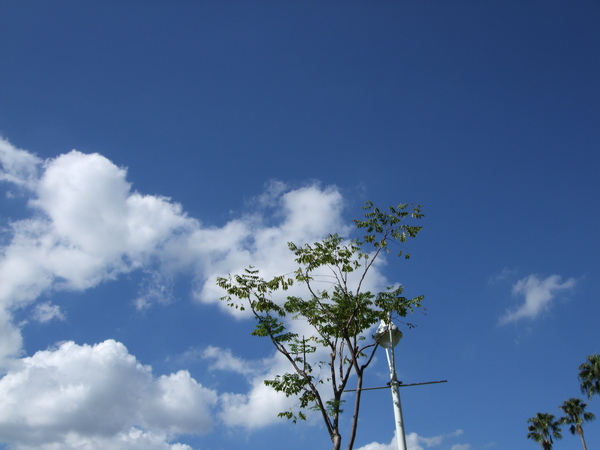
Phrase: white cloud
(45,312)
(461,447)
(18,166)
(505,274)
(260,406)
(391,446)
(156,288)
(416,442)
(88,226)
(95,219)
(224,359)
(80,396)
(305,215)
(256,409)
(538,295)
(11,341)
(133,439)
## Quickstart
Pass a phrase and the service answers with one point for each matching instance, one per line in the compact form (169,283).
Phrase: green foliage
(383,226)
(589,375)
(575,416)
(543,429)
(339,314)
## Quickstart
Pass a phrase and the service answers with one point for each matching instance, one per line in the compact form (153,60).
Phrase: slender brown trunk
(580,432)
(356,410)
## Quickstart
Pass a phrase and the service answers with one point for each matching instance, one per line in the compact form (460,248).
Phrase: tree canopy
(575,416)
(543,429)
(589,375)
(337,307)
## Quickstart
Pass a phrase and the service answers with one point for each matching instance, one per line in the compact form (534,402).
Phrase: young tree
(589,375)
(543,429)
(322,363)
(576,415)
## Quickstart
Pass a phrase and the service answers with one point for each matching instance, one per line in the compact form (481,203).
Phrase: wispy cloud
(537,294)
(18,166)
(461,447)
(45,312)
(223,359)
(505,274)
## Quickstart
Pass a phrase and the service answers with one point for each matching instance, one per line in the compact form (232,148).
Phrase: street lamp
(388,336)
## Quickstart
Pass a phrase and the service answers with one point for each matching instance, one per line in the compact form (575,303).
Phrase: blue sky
(149,147)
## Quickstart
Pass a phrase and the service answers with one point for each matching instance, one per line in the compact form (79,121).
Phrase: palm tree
(589,375)
(543,429)
(575,412)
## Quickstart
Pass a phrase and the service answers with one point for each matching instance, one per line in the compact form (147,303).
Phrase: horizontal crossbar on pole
(400,384)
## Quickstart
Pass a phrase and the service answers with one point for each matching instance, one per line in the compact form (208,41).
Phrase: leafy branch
(339,315)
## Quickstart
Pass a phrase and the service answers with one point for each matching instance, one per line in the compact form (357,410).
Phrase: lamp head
(387,335)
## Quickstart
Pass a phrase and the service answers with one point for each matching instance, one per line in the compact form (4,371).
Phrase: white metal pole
(400,438)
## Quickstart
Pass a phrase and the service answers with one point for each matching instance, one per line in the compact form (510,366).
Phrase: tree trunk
(354,425)
(580,432)
(337,442)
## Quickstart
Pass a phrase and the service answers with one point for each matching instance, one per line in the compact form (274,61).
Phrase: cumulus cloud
(134,439)
(258,407)
(538,295)
(306,215)
(87,226)
(416,442)
(98,396)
